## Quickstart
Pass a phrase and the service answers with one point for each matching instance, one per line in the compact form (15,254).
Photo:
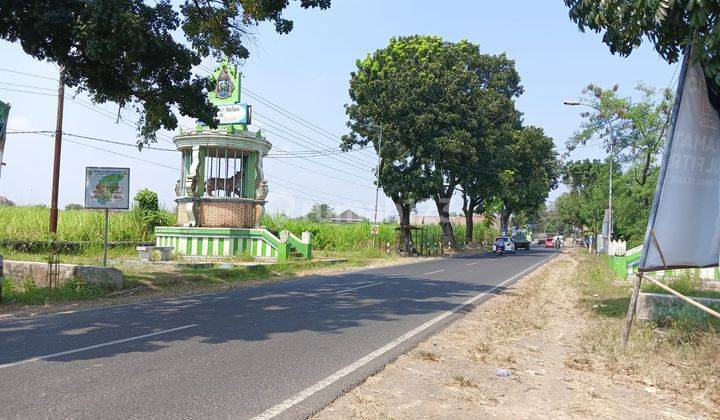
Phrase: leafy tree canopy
(670,25)
(123,51)
(435,102)
(320,212)
(532,171)
(635,128)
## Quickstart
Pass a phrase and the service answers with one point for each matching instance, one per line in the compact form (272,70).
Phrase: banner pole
(631,310)
(105,245)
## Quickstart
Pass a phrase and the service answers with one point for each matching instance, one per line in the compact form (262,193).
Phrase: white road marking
(110,343)
(433,272)
(471,264)
(310,391)
(359,287)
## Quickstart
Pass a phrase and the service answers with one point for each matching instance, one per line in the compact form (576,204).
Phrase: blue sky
(306,73)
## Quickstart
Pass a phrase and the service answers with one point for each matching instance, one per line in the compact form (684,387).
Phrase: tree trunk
(469,205)
(442,202)
(504,221)
(405,238)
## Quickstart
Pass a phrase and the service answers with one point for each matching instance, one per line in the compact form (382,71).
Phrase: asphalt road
(285,349)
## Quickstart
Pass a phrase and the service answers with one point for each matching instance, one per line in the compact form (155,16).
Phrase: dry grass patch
(427,356)
(557,331)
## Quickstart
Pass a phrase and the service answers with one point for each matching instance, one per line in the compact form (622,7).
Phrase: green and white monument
(222,191)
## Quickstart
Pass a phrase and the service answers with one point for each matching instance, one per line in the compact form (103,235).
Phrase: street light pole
(610,177)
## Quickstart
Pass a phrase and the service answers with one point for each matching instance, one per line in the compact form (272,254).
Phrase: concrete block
(21,271)
(145,252)
(653,306)
(102,276)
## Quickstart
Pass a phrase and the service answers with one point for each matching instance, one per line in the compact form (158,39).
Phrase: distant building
(5,202)
(349,216)
(435,220)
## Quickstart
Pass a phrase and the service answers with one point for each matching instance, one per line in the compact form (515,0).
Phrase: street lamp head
(572,103)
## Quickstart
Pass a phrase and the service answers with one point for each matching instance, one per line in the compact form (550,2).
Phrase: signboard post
(107,188)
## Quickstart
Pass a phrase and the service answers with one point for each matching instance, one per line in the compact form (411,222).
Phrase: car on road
(549,243)
(521,242)
(509,245)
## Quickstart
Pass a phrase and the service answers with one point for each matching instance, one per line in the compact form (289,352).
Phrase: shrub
(147,200)
(74,206)
(147,211)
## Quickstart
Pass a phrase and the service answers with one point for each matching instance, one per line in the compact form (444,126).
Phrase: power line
(275,179)
(316,163)
(298,119)
(27,91)
(311,141)
(326,175)
(296,185)
(106,113)
(54,79)
(123,155)
(350,163)
(91,106)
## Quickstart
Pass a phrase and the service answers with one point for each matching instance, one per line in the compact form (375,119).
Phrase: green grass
(351,237)
(31,223)
(610,299)
(29,294)
(90,255)
(686,282)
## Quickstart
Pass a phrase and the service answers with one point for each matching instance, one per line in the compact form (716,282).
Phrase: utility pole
(377,185)
(377,173)
(610,211)
(56,158)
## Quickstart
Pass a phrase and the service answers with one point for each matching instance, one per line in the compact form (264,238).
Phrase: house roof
(349,215)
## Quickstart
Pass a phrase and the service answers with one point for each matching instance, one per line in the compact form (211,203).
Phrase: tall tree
(392,92)
(588,184)
(428,96)
(123,51)
(320,213)
(532,171)
(670,25)
(635,128)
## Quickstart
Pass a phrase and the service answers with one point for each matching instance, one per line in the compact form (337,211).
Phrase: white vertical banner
(4,115)
(684,225)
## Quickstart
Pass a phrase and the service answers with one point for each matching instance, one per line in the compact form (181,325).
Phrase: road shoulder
(520,355)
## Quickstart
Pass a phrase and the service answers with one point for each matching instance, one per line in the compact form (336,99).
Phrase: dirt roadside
(524,354)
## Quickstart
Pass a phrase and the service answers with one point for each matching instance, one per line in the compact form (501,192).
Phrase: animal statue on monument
(229,185)
(261,193)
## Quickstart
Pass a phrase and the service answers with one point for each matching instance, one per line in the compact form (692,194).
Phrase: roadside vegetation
(143,281)
(28,293)
(30,223)
(677,354)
